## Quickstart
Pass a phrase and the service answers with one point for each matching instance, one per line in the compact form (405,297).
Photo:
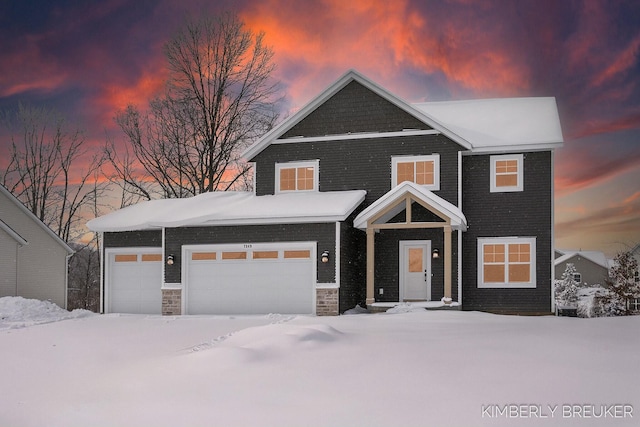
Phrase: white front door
(415,270)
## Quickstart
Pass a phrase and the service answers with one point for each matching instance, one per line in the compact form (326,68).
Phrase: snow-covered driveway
(409,369)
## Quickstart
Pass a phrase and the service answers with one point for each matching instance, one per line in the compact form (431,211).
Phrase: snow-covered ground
(410,368)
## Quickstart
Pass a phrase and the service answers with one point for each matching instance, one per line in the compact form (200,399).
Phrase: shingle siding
(516,214)
(354,109)
(361,164)
(132,239)
(353,265)
(387,262)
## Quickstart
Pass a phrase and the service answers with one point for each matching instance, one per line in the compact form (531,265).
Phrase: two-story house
(360,198)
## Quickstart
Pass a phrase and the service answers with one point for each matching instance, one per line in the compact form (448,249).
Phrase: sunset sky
(89,59)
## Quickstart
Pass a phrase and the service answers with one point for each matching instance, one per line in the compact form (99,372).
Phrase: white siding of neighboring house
(42,262)
(8,248)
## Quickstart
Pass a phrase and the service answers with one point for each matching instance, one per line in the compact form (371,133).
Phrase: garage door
(250,279)
(134,281)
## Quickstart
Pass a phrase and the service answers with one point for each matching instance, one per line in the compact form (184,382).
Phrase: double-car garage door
(249,279)
(218,279)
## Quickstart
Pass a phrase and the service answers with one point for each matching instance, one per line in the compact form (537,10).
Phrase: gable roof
(505,123)
(483,125)
(35,219)
(232,208)
(596,257)
(458,220)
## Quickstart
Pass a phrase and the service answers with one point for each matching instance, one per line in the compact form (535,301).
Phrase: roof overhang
(390,205)
(12,233)
(343,81)
(232,208)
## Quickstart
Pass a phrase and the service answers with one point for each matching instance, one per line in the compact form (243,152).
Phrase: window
(423,170)
(577,277)
(297,176)
(507,262)
(506,173)
(634,304)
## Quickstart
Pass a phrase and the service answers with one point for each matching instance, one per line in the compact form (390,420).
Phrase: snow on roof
(490,124)
(480,125)
(232,208)
(458,220)
(596,257)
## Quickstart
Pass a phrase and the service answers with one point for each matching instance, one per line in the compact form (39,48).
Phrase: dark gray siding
(354,109)
(129,239)
(323,233)
(361,164)
(387,262)
(522,214)
(353,266)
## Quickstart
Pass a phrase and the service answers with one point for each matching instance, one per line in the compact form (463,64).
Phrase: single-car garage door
(134,281)
(250,278)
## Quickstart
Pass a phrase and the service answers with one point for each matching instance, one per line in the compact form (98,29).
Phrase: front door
(415,270)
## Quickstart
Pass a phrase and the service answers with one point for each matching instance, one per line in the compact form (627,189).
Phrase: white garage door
(134,281)
(250,279)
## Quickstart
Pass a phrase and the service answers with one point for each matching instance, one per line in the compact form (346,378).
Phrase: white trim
(334,88)
(35,219)
(458,220)
(327,286)
(359,135)
(249,248)
(435,158)
(402,245)
(506,241)
(103,269)
(520,173)
(553,237)
(172,286)
(459,267)
(337,254)
(295,165)
(12,233)
(137,250)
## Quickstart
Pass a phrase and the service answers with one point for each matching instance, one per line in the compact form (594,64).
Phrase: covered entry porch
(417,217)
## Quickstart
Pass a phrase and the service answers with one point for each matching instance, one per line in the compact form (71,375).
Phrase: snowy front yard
(427,368)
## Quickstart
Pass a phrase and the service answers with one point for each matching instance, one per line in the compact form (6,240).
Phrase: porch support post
(370,264)
(447,261)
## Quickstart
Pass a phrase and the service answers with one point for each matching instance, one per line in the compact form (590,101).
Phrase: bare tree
(44,170)
(219,98)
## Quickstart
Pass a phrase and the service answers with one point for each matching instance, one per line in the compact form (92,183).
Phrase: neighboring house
(360,198)
(33,259)
(592,267)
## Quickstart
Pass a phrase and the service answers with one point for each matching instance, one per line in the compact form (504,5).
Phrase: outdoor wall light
(325,257)
(170,260)
(436,254)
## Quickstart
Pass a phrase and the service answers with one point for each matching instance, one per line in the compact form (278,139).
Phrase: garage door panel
(262,282)
(135,281)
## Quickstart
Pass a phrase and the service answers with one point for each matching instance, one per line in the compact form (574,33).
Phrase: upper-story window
(506,173)
(423,170)
(297,176)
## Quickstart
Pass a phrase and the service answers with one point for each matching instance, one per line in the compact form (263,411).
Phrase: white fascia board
(362,135)
(349,76)
(41,224)
(13,234)
(520,148)
(273,220)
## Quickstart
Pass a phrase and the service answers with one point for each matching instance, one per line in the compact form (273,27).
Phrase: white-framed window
(423,170)
(506,173)
(297,176)
(577,277)
(507,262)
(634,304)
